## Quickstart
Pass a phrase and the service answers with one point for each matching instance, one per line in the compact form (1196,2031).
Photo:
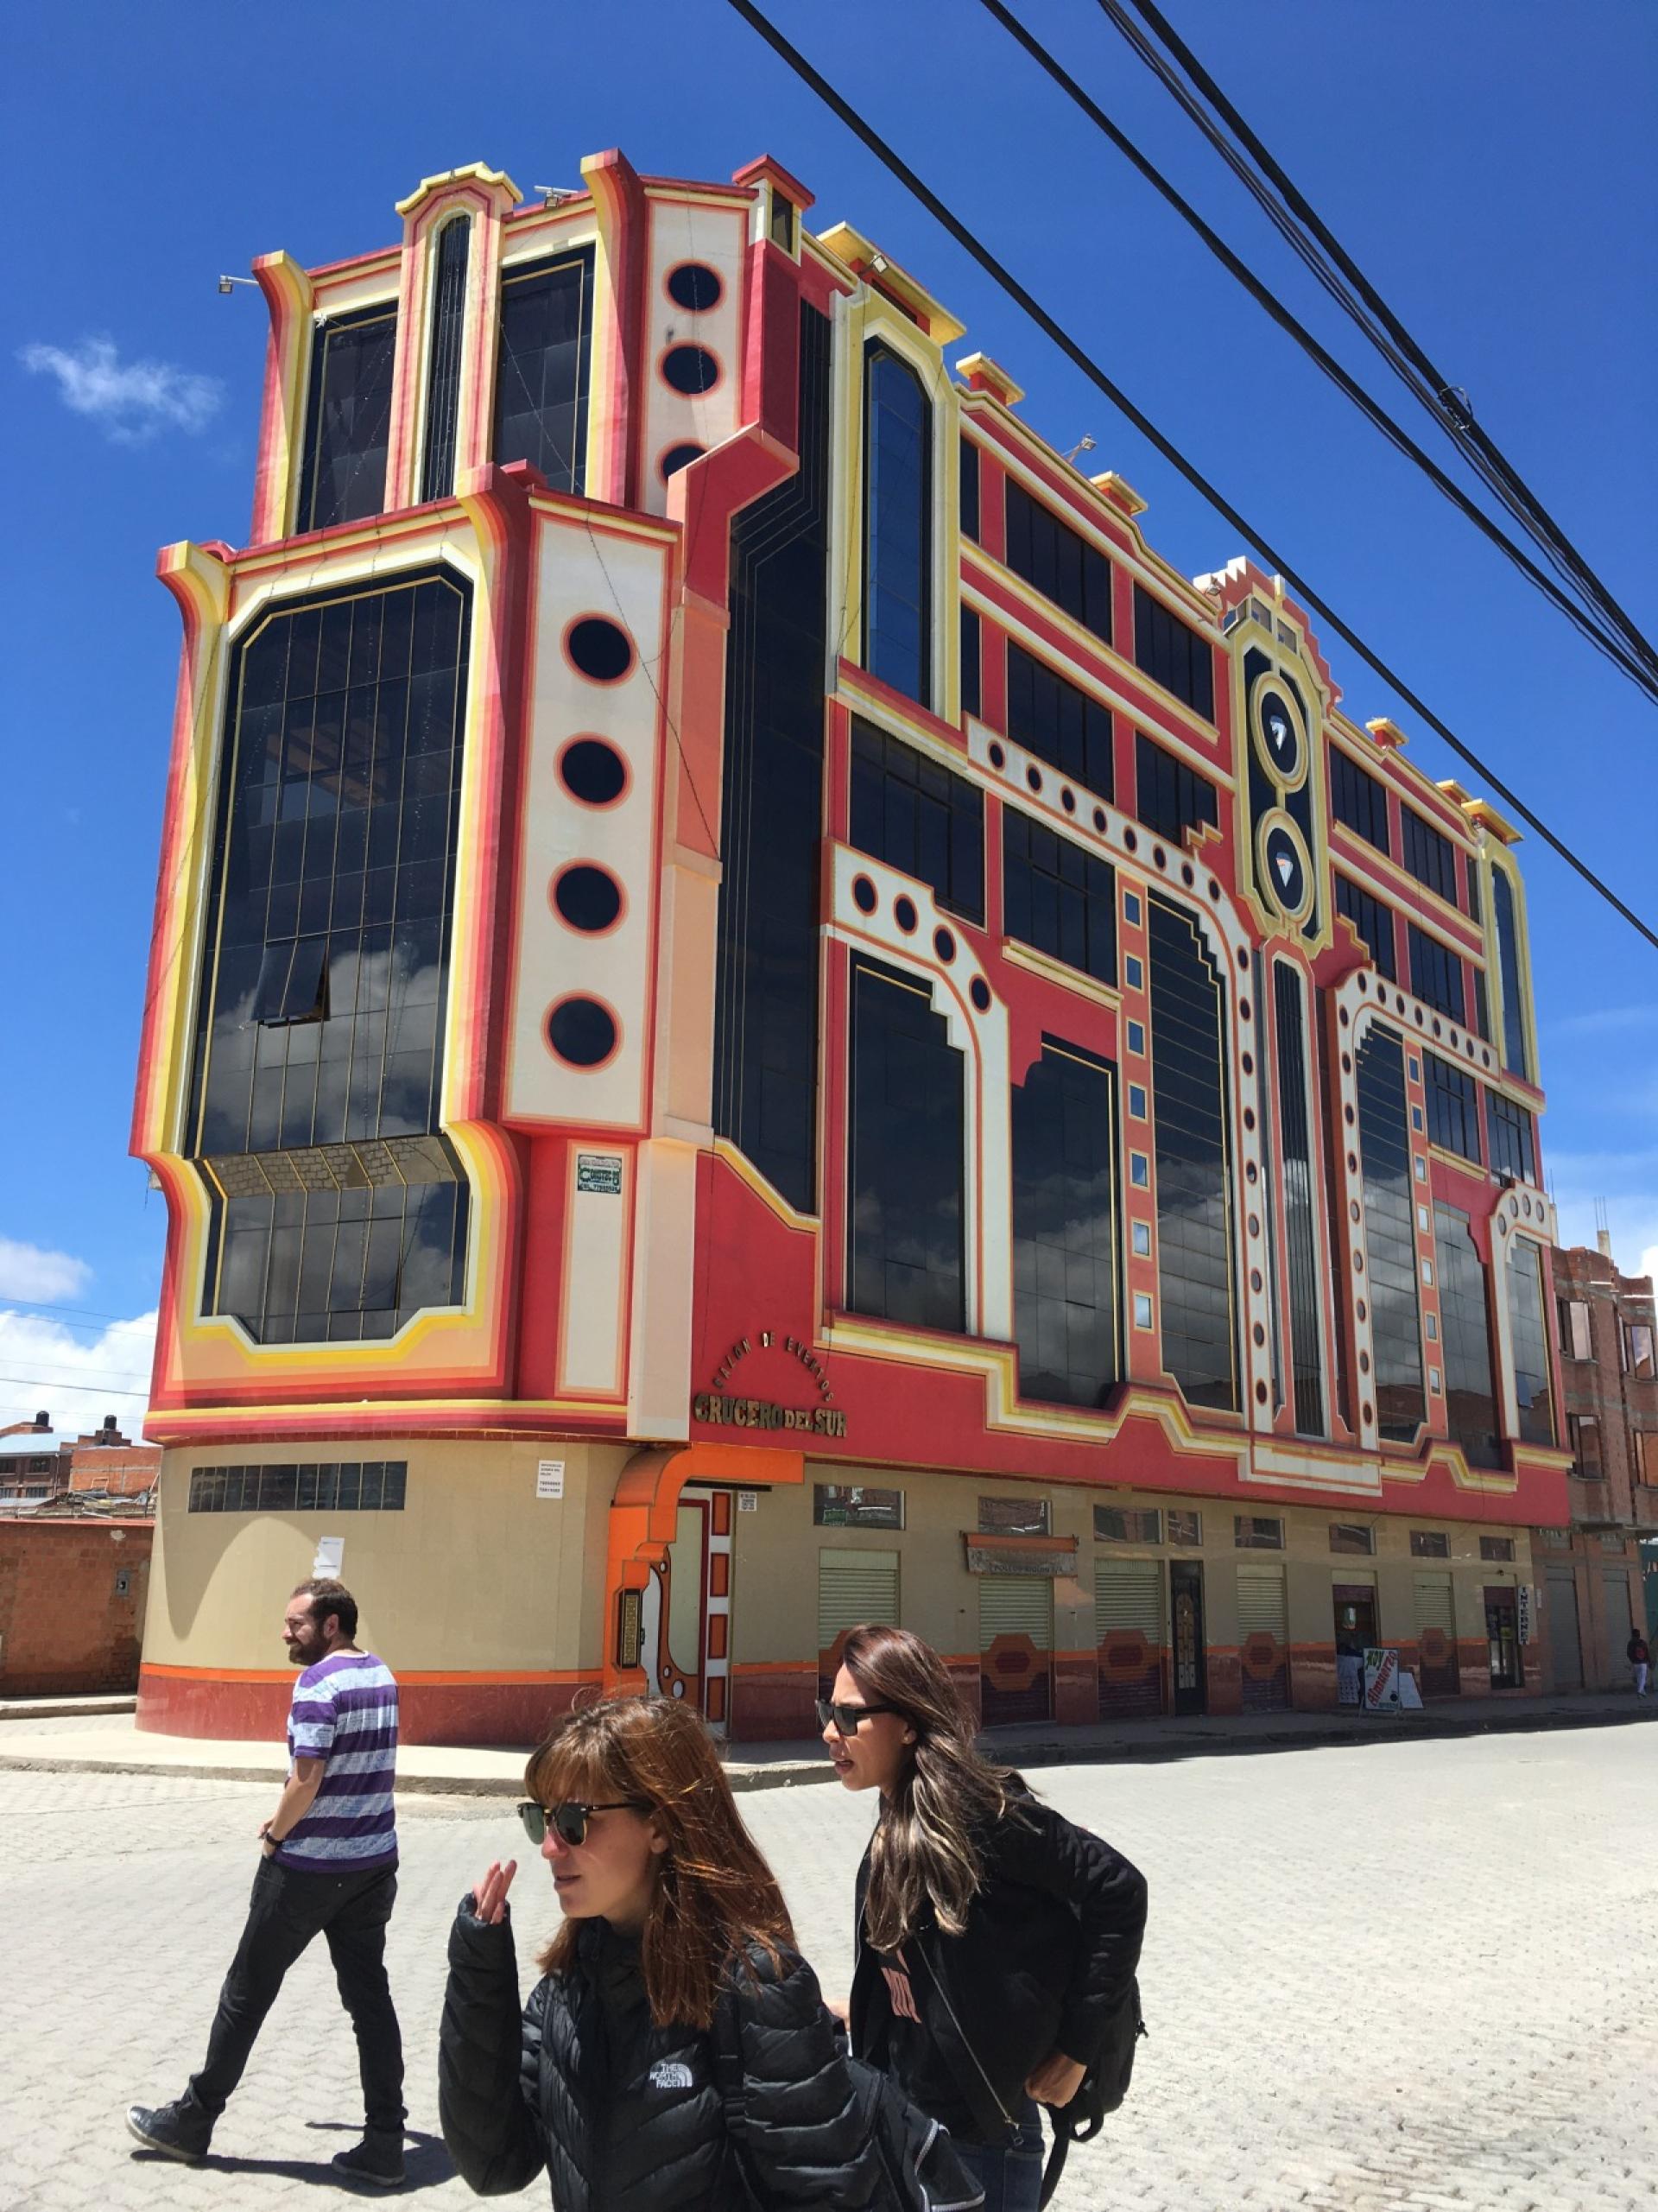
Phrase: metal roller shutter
(1436,1617)
(1016,1686)
(1129,1602)
(1263,1610)
(1435,1608)
(1016,1605)
(854,1587)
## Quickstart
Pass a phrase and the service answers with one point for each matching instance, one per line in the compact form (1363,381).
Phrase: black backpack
(918,2160)
(1104,2087)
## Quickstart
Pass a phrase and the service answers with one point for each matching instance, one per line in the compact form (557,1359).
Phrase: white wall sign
(748,1501)
(331,1556)
(549,1479)
(600,1173)
(1523,1603)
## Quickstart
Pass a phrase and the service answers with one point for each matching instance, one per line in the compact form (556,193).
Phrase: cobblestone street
(1412,1976)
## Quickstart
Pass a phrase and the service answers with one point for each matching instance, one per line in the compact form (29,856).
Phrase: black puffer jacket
(1045,1963)
(625,2115)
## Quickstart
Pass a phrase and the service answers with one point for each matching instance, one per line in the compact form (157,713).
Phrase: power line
(1347,285)
(1645,676)
(1082,361)
(89,1388)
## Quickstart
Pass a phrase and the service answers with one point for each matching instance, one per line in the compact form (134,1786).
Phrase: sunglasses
(570,1818)
(847,1717)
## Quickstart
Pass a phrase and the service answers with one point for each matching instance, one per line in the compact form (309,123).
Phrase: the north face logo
(669,2074)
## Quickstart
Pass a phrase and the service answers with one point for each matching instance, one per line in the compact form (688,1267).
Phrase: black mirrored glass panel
(1194,1241)
(318,1050)
(1430,858)
(543,368)
(766,1013)
(917,816)
(897,525)
(1436,974)
(1390,1237)
(1358,800)
(969,493)
(1170,798)
(905,1156)
(1306,1331)
(971,648)
(1466,1334)
(1173,654)
(1529,1334)
(443,364)
(1058,898)
(1065,1303)
(1452,1106)
(1514,1054)
(348,419)
(1057,563)
(1373,922)
(1511,1138)
(1060,725)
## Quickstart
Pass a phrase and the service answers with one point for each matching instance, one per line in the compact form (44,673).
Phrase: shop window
(1057,563)
(1497,1547)
(1453,1107)
(339,1209)
(1372,921)
(1185,1528)
(1436,974)
(1058,898)
(543,365)
(1516,1056)
(1172,655)
(1356,1538)
(905,1156)
(1012,1516)
(1529,1334)
(1576,1339)
(348,419)
(972,650)
(1126,1525)
(1470,1381)
(1194,1241)
(1510,1137)
(1306,1328)
(1258,1532)
(1170,798)
(1060,724)
(1065,1304)
(855,1505)
(321,1486)
(1430,858)
(1389,1236)
(1358,800)
(897,525)
(917,817)
(1429,1544)
(766,1001)
(443,364)
(968,495)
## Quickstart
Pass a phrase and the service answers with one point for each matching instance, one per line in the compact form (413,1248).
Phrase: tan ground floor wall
(1590,1586)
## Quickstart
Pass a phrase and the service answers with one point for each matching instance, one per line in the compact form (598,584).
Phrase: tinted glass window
(1509,1133)
(904,1156)
(972,649)
(1429,857)
(1390,1236)
(1373,922)
(1452,1106)
(1482,1006)
(897,525)
(1194,1246)
(1299,1230)
(1058,898)
(443,368)
(1514,1055)
(1465,1328)
(1529,1332)
(969,494)
(1062,565)
(909,811)
(1358,800)
(1170,798)
(1172,655)
(1065,1229)
(340,1208)
(543,368)
(1436,974)
(1060,725)
(348,419)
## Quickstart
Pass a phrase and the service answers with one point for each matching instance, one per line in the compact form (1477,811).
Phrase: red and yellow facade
(655,1438)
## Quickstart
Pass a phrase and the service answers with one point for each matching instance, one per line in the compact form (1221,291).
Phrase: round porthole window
(690,370)
(599,648)
(582,1032)
(695,287)
(676,458)
(586,897)
(593,772)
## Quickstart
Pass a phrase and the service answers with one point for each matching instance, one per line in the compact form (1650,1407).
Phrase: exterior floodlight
(227,284)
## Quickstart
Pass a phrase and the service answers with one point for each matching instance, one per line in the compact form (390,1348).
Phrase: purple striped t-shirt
(344,1711)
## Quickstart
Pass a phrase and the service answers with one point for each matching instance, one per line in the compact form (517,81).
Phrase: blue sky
(1484,161)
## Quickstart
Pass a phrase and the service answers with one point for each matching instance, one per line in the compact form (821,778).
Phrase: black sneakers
(377,2159)
(180,2130)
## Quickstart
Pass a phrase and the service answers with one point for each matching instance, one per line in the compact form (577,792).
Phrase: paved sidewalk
(105,1744)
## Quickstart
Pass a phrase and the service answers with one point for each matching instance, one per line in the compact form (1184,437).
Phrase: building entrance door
(1502,1634)
(1355,1633)
(1564,1645)
(1186,1637)
(687,1610)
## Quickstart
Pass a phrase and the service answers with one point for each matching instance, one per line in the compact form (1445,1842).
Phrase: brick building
(73,1594)
(38,1462)
(1591,1579)
(34,1460)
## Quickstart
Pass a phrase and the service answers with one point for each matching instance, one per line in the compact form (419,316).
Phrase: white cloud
(1604,1020)
(78,1378)
(40,1278)
(131,400)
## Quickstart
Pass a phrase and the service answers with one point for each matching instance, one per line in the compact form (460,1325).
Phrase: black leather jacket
(625,2115)
(1044,1964)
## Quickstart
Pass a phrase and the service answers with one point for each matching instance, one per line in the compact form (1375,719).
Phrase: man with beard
(328,1867)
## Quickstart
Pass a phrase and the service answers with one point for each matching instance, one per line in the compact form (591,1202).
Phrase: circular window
(690,370)
(694,286)
(587,897)
(1131,840)
(599,648)
(1159,858)
(1278,736)
(1260,1393)
(1034,777)
(593,772)
(863,895)
(582,1032)
(944,945)
(1068,801)
(1100,819)
(980,994)
(903,913)
(1364,1363)
(998,758)
(676,458)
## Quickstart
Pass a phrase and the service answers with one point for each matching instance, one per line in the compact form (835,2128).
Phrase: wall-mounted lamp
(878,263)
(227,284)
(1082,446)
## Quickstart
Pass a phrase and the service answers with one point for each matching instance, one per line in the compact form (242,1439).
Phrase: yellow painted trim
(1051,970)
(473,172)
(742,1166)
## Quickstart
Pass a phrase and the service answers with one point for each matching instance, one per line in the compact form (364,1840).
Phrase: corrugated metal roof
(32,1441)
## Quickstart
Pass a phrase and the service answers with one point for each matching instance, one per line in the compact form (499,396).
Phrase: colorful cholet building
(760,1017)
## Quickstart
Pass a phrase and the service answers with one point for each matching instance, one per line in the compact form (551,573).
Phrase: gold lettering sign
(720,1411)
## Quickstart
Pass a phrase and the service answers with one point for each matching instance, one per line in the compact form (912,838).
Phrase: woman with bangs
(617,2077)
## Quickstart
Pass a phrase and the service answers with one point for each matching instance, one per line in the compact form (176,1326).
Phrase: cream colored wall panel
(684,237)
(659,1392)
(594,1328)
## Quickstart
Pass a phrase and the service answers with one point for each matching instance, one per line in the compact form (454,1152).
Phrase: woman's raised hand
(490,1896)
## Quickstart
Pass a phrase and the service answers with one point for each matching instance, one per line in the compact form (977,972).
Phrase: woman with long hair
(996,1942)
(676,2055)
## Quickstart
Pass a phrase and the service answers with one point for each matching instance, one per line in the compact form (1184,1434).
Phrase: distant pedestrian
(328,1867)
(996,1942)
(1636,1653)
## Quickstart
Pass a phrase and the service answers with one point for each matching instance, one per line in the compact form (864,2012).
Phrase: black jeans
(285,1911)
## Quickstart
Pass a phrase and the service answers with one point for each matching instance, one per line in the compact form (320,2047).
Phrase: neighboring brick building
(34,1460)
(1592,1578)
(111,1465)
(72,1590)
(38,1462)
